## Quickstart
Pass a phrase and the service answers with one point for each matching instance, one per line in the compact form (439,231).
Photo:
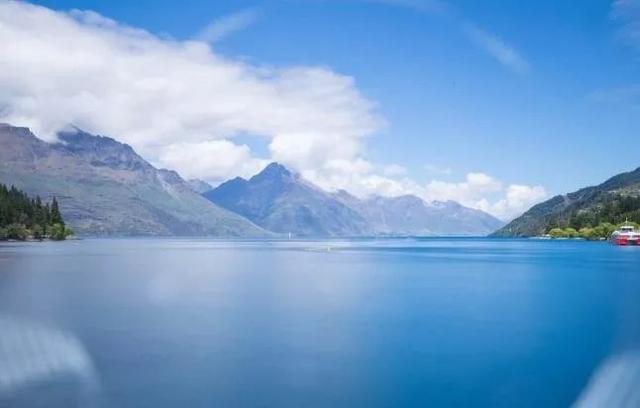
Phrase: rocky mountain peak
(199,186)
(101,150)
(274,171)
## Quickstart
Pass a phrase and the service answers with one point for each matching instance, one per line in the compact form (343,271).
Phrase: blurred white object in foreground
(615,384)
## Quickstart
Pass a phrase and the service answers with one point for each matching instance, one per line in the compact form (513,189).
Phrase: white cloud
(387,186)
(476,190)
(394,170)
(180,105)
(475,186)
(497,48)
(222,27)
(160,95)
(519,198)
(219,160)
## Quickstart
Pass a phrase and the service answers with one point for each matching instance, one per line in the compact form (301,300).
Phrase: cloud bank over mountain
(182,105)
(474,190)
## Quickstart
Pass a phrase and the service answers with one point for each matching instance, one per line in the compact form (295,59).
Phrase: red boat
(625,235)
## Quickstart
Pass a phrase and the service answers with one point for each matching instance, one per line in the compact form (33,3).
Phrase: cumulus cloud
(219,160)
(394,170)
(474,191)
(475,186)
(222,27)
(180,105)
(518,199)
(161,95)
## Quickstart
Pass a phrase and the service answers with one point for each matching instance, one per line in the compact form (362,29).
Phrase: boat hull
(625,241)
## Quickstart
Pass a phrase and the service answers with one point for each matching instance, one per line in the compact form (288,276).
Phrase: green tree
(56,217)
(17,231)
(56,232)
(37,232)
(571,233)
(21,216)
(587,233)
(557,233)
(605,229)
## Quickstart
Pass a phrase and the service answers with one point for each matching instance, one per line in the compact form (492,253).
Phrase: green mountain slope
(615,201)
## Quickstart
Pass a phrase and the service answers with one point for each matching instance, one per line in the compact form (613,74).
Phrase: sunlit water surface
(388,322)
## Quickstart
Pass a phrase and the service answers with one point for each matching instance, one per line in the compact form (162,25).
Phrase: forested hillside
(613,202)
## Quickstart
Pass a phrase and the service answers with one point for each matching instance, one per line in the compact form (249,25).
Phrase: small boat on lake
(625,235)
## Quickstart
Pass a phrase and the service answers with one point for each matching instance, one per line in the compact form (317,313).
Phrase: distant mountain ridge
(281,201)
(410,215)
(615,200)
(199,186)
(106,188)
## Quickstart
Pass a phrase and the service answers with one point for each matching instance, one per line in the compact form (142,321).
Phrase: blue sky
(559,110)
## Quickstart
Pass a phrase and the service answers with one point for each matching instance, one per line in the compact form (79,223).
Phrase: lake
(434,322)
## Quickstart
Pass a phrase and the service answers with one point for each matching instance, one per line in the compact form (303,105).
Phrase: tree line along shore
(599,222)
(24,218)
(599,232)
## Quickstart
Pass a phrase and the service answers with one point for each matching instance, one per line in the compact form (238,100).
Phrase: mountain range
(281,201)
(615,200)
(105,188)
(410,215)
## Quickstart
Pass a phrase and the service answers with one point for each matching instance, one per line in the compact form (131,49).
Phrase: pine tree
(22,216)
(56,217)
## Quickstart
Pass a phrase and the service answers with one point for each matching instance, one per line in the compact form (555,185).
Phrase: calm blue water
(388,323)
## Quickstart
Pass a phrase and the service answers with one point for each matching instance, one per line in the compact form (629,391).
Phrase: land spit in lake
(22,217)
(384,322)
